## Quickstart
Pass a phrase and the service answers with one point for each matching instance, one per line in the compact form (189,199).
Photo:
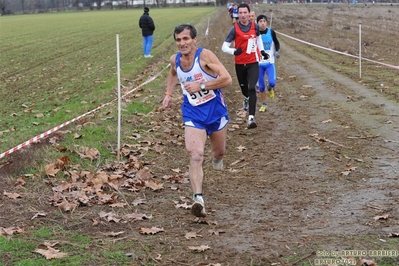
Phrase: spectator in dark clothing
(147,28)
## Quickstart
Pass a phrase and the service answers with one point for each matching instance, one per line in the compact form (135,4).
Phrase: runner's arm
(229,39)
(213,65)
(275,40)
(171,83)
(226,48)
(259,42)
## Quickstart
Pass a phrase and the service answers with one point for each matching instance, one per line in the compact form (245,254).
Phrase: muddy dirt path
(321,164)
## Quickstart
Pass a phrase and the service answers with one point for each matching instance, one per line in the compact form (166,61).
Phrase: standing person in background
(202,77)
(267,66)
(248,51)
(147,29)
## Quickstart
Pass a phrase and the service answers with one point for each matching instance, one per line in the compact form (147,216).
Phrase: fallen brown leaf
(11,195)
(10,230)
(115,233)
(51,253)
(381,217)
(191,235)
(150,231)
(201,248)
(51,169)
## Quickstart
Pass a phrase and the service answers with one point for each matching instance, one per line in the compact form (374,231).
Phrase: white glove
(277,54)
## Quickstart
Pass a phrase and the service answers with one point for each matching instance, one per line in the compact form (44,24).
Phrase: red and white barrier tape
(40,136)
(338,52)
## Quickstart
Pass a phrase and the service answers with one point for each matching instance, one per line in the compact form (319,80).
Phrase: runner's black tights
(247,76)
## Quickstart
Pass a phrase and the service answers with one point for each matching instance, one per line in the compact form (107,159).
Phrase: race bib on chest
(251,47)
(200,97)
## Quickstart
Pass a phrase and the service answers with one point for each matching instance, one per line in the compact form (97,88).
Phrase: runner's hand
(264,54)
(238,51)
(277,54)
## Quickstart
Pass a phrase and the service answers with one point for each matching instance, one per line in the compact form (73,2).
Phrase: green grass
(19,250)
(64,65)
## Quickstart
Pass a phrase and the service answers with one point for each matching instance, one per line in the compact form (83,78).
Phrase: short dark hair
(261,17)
(243,5)
(182,27)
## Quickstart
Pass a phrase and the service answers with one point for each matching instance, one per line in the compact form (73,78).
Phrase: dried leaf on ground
(176,170)
(10,231)
(115,233)
(304,148)
(90,153)
(184,206)
(150,231)
(11,195)
(131,217)
(153,185)
(39,214)
(20,182)
(381,217)
(192,235)
(216,232)
(201,248)
(241,148)
(51,253)
(67,206)
(144,174)
(51,169)
(349,167)
(345,173)
(50,244)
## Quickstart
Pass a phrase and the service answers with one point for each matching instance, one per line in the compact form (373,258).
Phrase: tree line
(8,7)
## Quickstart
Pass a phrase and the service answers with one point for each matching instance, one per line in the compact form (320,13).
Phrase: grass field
(55,67)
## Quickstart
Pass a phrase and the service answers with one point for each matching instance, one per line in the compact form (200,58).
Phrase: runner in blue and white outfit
(234,14)
(202,77)
(267,66)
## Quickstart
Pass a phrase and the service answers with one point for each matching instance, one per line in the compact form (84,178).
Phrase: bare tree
(90,4)
(3,6)
(98,4)
(23,6)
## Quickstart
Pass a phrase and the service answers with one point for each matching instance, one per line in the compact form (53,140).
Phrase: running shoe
(217,164)
(263,107)
(148,56)
(271,94)
(252,123)
(245,104)
(198,208)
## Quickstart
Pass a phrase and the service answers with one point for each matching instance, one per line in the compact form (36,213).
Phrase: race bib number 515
(200,97)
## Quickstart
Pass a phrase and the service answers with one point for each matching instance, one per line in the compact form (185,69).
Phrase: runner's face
(262,24)
(185,43)
(252,16)
(243,14)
